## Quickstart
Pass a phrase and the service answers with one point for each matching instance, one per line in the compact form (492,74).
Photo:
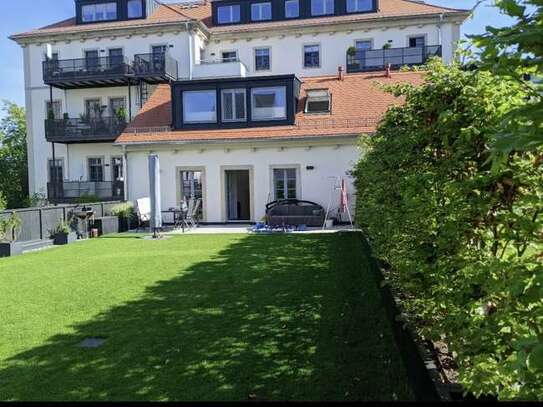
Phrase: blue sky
(23,15)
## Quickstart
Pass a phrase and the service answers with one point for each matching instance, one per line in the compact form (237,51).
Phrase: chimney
(340,73)
(388,74)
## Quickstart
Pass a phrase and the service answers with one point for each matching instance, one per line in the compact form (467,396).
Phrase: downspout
(439,32)
(191,50)
(125,173)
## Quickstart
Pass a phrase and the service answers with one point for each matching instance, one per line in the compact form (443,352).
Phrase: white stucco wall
(287,52)
(329,160)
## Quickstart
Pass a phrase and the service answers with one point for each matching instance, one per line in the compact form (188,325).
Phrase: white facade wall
(188,48)
(287,52)
(331,160)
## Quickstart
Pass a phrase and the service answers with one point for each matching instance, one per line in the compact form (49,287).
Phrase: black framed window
(229,14)
(233,105)
(135,9)
(200,106)
(99,12)
(359,6)
(285,183)
(269,103)
(96,169)
(312,56)
(419,41)
(292,8)
(322,7)
(116,57)
(229,56)
(261,11)
(262,59)
(363,45)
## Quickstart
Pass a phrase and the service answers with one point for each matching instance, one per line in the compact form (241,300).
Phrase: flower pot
(8,249)
(124,225)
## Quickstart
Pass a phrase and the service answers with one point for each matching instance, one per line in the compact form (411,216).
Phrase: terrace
(379,59)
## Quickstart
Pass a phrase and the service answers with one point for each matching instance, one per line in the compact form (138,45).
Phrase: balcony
(155,68)
(219,68)
(73,191)
(86,72)
(83,130)
(377,60)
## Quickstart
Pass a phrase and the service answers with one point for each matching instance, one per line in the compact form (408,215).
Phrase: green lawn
(197,317)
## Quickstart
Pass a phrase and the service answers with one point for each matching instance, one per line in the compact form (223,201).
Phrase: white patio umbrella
(154,193)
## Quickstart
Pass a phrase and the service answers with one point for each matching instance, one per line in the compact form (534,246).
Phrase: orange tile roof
(181,12)
(358,104)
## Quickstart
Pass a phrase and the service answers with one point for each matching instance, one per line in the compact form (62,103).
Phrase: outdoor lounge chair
(294,212)
(143,210)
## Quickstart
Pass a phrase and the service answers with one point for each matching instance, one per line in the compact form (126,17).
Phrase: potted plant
(63,234)
(50,115)
(126,214)
(351,51)
(66,116)
(121,114)
(10,230)
(387,45)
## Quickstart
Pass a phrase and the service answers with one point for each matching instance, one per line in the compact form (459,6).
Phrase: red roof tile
(179,12)
(358,104)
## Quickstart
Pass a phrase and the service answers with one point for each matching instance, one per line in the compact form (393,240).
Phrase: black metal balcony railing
(160,66)
(69,73)
(379,59)
(72,191)
(83,129)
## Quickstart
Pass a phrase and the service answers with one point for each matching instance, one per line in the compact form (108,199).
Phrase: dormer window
(229,14)
(318,101)
(99,12)
(359,6)
(322,7)
(261,11)
(135,8)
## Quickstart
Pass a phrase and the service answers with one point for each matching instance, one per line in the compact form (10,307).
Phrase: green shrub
(124,210)
(463,241)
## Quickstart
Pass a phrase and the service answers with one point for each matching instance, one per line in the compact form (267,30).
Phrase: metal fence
(37,223)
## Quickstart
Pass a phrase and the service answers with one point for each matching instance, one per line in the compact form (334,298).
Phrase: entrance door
(238,195)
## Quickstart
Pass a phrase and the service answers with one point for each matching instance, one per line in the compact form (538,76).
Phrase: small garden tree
(463,242)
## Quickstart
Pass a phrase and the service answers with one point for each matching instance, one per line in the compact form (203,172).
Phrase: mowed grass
(197,317)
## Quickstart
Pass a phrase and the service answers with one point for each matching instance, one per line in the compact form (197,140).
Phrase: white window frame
(231,20)
(326,4)
(95,5)
(103,160)
(292,1)
(128,8)
(295,167)
(357,7)
(233,92)
(269,57)
(303,55)
(260,7)
(321,98)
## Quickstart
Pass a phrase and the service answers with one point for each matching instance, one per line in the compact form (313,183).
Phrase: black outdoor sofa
(294,212)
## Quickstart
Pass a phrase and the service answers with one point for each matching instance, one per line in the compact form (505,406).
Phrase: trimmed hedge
(464,240)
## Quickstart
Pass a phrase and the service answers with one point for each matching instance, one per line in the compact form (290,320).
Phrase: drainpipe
(125,173)
(439,32)
(191,50)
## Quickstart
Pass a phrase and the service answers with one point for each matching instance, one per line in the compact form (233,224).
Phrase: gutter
(241,140)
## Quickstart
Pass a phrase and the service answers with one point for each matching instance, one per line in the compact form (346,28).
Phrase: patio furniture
(143,210)
(294,212)
(192,214)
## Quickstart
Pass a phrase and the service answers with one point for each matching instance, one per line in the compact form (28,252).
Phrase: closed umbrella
(154,192)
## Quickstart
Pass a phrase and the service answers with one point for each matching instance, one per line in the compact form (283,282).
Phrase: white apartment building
(244,101)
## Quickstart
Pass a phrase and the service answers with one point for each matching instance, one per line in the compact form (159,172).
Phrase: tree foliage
(13,156)
(516,52)
(464,242)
